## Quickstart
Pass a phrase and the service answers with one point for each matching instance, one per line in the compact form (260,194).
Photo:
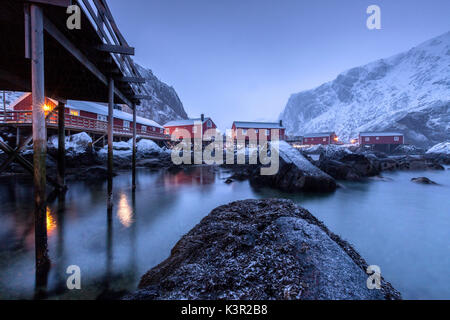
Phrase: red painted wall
(380,140)
(237,133)
(190,128)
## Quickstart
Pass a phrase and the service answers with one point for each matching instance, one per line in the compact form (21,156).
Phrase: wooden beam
(133,160)
(131,79)
(116,49)
(71,48)
(141,97)
(61,144)
(110,142)
(39,146)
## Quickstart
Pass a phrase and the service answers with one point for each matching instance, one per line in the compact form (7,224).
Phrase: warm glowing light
(51,222)
(125,213)
(47,107)
(74,113)
(336,139)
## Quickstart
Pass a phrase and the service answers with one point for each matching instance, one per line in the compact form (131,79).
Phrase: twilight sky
(242,59)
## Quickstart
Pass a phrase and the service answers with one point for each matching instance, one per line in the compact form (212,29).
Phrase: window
(367,139)
(101,117)
(144,129)
(267,132)
(194,129)
(74,112)
(378,138)
(244,131)
(126,124)
(396,138)
(161,130)
(324,139)
(153,128)
(209,124)
(256,130)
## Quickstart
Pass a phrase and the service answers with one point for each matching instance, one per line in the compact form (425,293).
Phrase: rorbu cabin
(194,127)
(244,129)
(382,141)
(83,116)
(324,138)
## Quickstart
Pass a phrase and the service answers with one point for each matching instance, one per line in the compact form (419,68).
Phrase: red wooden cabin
(244,129)
(195,127)
(84,116)
(324,138)
(372,138)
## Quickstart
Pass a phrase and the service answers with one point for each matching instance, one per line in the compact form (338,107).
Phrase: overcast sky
(242,59)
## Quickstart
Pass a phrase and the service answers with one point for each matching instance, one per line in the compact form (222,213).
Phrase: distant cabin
(195,127)
(85,116)
(373,138)
(241,129)
(324,138)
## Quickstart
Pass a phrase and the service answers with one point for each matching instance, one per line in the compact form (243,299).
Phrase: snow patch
(440,148)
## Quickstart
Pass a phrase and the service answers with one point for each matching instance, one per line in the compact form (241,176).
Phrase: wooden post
(17,136)
(133,162)
(39,145)
(61,144)
(110,140)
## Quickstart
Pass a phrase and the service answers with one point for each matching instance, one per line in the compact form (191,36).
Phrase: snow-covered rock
(75,144)
(440,148)
(408,92)
(124,149)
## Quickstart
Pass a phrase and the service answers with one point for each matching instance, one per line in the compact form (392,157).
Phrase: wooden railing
(78,123)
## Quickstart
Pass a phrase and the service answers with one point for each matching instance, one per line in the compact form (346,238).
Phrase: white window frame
(209,124)
(126,124)
(244,131)
(367,139)
(396,139)
(101,117)
(144,128)
(267,132)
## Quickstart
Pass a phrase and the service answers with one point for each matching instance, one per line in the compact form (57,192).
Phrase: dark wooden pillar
(133,162)
(17,136)
(61,144)
(39,145)
(110,140)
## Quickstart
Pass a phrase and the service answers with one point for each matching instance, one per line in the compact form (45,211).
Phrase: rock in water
(423,180)
(295,174)
(261,249)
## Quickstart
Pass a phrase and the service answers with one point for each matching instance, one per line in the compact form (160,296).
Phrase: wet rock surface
(261,249)
(423,180)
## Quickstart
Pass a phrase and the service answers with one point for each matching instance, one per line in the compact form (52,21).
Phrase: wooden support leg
(133,162)
(17,137)
(110,140)
(39,145)
(61,144)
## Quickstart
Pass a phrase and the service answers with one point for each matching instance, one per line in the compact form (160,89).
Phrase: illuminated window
(101,117)
(74,112)
(144,129)
(324,139)
(396,138)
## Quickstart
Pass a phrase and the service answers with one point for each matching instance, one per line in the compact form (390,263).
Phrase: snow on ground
(329,150)
(75,144)
(443,148)
(291,155)
(125,149)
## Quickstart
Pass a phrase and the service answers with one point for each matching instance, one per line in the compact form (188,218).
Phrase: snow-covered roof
(257,125)
(186,122)
(103,110)
(380,134)
(318,135)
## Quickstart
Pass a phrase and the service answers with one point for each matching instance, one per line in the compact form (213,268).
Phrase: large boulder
(295,174)
(261,249)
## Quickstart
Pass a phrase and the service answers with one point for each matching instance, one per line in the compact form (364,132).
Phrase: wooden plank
(116,49)
(59,3)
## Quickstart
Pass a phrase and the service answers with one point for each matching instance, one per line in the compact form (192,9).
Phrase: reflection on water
(395,224)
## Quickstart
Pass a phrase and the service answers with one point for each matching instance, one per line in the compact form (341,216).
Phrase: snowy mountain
(165,104)
(409,92)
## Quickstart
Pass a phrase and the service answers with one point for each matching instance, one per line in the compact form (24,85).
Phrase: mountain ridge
(409,91)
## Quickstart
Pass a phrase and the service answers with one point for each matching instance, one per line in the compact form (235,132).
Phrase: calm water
(401,226)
